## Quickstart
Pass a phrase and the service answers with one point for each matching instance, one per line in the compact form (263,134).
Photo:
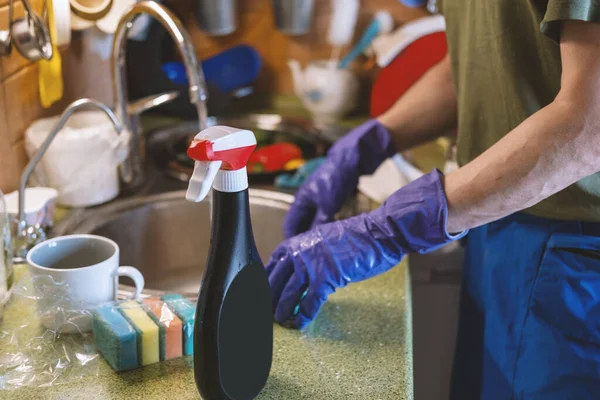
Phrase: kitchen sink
(167,237)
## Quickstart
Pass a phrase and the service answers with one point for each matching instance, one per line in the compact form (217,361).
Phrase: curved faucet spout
(197,88)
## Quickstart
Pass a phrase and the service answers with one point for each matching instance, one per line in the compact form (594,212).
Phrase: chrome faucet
(131,170)
(26,235)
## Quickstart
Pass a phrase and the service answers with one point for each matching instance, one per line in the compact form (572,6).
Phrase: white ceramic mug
(84,273)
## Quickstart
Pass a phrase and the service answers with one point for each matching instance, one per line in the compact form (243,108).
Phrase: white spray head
(221,154)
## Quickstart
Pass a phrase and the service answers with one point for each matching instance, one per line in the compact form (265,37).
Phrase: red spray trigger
(233,159)
(221,154)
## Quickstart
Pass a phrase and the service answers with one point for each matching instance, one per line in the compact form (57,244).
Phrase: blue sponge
(186,311)
(115,338)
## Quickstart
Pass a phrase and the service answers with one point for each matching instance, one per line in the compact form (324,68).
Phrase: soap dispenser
(233,332)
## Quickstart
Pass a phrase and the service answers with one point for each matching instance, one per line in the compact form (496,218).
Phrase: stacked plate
(104,14)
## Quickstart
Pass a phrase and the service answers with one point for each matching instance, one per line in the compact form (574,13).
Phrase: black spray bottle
(233,335)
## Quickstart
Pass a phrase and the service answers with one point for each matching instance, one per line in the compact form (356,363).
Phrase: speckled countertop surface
(359,347)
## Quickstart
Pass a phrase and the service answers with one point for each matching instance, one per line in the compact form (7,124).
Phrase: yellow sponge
(148,332)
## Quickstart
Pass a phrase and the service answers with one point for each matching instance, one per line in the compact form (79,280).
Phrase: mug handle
(136,276)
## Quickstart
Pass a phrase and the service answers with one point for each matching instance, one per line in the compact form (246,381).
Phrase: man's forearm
(552,149)
(426,111)
(548,152)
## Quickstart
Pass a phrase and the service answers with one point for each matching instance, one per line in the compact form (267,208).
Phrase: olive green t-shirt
(506,65)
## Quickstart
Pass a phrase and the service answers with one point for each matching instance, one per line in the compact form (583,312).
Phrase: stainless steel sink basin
(167,237)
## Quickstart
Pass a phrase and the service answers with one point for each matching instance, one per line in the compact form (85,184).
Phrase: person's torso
(505,69)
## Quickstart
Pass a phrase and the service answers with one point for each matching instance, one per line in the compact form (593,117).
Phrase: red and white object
(221,154)
(387,47)
(405,55)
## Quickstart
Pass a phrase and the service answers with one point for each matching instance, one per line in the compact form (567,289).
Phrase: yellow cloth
(50,71)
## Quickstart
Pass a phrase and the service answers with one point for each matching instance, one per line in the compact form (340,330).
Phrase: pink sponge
(172,327)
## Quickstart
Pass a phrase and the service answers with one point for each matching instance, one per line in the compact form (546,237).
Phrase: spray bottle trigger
(202,179)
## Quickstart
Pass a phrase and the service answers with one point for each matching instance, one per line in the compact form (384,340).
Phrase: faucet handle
(146,103)
(25,239)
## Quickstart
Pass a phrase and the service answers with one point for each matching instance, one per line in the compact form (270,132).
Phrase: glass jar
(5,255)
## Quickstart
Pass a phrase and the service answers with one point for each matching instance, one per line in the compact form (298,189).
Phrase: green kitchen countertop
(359,347)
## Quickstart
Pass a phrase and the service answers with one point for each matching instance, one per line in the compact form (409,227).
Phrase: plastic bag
(5,256)
(81,163)
(35,351)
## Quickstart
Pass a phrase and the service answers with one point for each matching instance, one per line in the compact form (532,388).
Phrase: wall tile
(86,75)
(13,160)
(20,156)
(256,27)
(3,114)
(8,166)
(22,101)
(15,61)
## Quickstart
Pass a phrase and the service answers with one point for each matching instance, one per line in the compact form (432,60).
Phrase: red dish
(408,66)
(273,157)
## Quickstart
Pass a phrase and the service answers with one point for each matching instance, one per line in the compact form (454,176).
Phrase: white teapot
(328,92)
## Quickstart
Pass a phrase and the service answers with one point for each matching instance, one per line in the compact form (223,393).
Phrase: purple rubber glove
(358,153)
(306,269)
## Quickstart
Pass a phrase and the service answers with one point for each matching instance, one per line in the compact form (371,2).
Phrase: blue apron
(530,311)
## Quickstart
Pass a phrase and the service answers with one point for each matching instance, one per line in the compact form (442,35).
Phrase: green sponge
(161,334)
(186,311)
(115,338)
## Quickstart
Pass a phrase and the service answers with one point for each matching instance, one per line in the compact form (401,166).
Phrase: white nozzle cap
(231,181)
